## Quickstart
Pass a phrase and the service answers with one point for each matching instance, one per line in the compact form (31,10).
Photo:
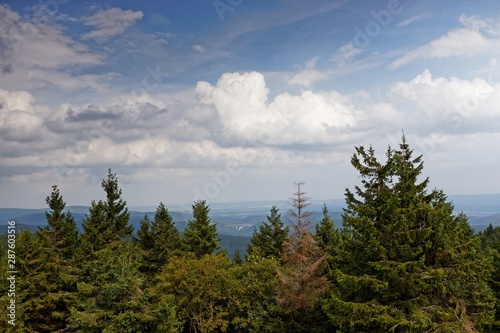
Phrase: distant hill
(242,218)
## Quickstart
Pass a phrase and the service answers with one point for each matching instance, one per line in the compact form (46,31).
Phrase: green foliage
(214,295)
(237,259)
(200,235)
(411,264)
(32,287)
(108,220)
(47,279)
(112,297)
(256,308)
(327,236)
(203,290)
(403,262)
(159,240)
(268,241)
(490,244)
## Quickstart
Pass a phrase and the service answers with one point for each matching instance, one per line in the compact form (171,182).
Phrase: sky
(235,100)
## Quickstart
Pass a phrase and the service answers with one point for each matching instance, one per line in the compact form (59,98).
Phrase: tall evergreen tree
(267,242)
(159,239)
(110,293)
(303,275)
(32,288)
(200,235)
(108,220)
(46,285)
(60,240)
(412,264)
(327,236)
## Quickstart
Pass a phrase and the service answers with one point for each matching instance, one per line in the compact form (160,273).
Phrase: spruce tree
(166,238)
(200,235)
(108,220)
(412,264)
(302,279)
(46,283)
(159,239)
(267,242)
(327,236)
(110,294)
(59,241)
(490,241)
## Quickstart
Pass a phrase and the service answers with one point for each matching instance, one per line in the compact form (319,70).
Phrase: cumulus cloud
(247,114)
(235,119)
(476,37)
(450,105)
(110,22)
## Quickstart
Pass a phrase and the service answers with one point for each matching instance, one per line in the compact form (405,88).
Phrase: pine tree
(327,236)
(268,241)
(108,220)
(31,286)
(60,241)
(111,293)
(159,239)
(412,264)
(303,276)
(166,237)
(112,297)
(47,283)
(200,235)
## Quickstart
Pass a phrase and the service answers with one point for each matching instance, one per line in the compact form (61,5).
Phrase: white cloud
(307,76)
(199,48)
(110,22)
(450,105)
(463,42)
(236,120)
(412,19)
(246,114)
(18,120)
(37,55)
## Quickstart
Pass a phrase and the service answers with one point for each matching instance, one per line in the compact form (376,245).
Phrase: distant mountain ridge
(241,218)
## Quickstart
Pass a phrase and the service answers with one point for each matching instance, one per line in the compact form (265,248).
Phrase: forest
(402,261)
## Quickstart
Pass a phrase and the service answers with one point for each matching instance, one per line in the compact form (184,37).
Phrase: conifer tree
(108,220)
(200,235)
(327,236)
(412,264)
(31,287)
(303,277)
(111,295)
(267,242)
(59,241)
(490,241)
(47,280)
(159,239)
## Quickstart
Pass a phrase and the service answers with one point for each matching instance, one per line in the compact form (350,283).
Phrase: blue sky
(232,100)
